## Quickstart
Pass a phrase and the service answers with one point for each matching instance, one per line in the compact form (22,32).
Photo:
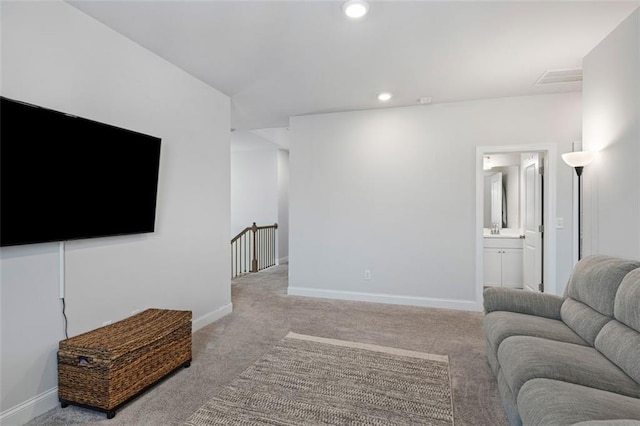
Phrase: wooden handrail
(237,237)
(253,228)
(260,246)
(274,226)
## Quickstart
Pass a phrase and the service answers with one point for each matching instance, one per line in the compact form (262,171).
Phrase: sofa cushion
(583,319)
(525,358)
(627,304)
(551,402)
(621,345)
(595,280)
(500,325)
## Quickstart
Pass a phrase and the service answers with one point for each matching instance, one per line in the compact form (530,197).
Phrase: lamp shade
(355,8)
(578,158)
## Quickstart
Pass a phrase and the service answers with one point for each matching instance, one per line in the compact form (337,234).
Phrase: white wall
(611,125)
(254,188)
(283,206)
(393,191)
(55,56)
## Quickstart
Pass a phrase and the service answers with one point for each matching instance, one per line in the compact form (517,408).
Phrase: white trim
(30,409)
(550,194)
(428,302)
(207,319)
(61,270)
(369,347)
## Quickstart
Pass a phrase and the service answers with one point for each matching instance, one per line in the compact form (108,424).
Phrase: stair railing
(253,249)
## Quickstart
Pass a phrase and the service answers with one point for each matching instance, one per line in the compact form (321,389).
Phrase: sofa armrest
(522,302)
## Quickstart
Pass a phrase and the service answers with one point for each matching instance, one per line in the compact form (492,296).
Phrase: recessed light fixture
(355,8)
(384,97)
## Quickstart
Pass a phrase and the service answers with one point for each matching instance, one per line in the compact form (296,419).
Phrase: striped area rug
(306,380)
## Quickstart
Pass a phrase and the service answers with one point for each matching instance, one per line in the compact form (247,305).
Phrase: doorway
(530,242)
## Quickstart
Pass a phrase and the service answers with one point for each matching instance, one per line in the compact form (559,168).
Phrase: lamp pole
(577,160)
(579,173)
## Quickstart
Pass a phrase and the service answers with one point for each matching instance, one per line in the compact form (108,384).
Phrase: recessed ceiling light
(384,97)
(355,8)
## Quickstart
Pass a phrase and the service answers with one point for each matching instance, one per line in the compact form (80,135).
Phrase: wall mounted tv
(63,177)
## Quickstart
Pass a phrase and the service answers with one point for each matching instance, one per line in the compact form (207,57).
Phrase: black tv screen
(63,177)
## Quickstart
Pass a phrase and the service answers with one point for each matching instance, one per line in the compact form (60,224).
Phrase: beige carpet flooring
(263,314)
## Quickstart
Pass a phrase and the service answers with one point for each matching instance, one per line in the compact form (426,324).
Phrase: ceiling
(277,59)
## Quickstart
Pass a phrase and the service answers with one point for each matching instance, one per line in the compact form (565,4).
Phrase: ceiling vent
(560,76)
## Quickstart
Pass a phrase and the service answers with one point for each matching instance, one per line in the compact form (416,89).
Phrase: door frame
(549,213)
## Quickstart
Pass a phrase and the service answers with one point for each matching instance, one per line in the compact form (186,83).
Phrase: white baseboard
(428,302)
(30,409)
(283,260)
(207,319)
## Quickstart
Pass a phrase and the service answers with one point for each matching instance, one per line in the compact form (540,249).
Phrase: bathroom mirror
(494,196)
(502,191)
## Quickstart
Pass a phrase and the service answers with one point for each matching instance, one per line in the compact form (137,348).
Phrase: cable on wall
(61,285)
(66,334)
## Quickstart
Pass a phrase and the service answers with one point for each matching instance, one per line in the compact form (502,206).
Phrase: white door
(532,208)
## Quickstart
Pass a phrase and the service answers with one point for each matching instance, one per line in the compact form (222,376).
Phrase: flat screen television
(64,177)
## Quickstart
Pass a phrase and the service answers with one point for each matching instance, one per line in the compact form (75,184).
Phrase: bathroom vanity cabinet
(502,260)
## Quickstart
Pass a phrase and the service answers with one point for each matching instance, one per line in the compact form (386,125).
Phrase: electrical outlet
(367,274)
(107,323)
(559,223)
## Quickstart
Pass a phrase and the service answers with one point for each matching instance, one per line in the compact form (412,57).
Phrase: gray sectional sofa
(571,360)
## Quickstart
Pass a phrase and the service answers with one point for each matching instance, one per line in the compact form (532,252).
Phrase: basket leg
(111,414)
(187,364)
(63,404)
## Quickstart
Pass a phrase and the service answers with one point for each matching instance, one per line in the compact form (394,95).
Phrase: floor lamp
(578,160)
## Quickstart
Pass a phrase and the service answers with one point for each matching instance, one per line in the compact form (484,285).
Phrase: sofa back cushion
(591,294)
(582,319)
(619,340)
(620,344)
(627,305)
(595,281)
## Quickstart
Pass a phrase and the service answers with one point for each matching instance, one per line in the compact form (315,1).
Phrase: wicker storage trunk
(104,368)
